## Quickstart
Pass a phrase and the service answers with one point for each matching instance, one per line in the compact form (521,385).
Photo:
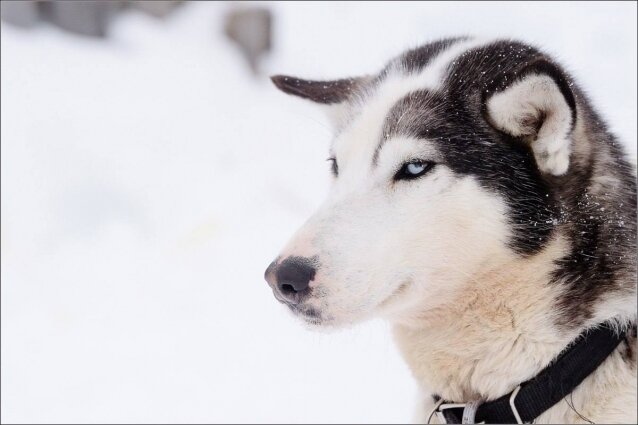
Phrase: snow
(147,182)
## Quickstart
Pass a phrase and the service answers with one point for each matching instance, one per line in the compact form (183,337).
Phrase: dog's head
(441,167)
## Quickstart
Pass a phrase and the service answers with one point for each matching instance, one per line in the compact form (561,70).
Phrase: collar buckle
(438,410)
(469,411)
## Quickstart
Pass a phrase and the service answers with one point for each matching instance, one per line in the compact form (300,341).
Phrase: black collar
(550,386)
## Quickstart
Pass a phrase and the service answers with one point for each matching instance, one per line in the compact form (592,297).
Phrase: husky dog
(482,207)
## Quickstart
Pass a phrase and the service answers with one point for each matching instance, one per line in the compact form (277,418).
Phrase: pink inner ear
(326,92)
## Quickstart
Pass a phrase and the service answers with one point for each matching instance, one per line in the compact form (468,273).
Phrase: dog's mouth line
(309,314)
(314,316)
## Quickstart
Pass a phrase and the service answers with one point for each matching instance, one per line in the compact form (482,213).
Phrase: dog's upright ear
(332,94)
(536,105)
(326,92)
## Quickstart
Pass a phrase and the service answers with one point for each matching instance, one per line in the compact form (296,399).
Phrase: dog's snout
(290,279)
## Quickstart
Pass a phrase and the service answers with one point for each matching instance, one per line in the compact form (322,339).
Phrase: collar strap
(530,399)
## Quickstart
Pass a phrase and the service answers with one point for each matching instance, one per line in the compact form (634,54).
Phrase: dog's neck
(500,332)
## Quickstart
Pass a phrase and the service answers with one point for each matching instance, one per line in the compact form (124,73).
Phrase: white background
(148,180)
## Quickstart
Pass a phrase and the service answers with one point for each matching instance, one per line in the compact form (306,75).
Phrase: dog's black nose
(291,278)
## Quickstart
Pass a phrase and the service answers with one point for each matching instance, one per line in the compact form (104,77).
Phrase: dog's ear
(536,105)
(325,92)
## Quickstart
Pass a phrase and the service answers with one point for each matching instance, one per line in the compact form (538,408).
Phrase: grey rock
(159,9)
(89,18)
(20,13)
(250,28)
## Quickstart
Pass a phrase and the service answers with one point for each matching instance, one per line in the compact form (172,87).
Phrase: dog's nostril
(287,289)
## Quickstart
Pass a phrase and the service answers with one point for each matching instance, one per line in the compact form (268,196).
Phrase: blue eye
(413,169)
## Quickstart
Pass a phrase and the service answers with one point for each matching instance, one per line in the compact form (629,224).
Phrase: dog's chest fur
(498,335)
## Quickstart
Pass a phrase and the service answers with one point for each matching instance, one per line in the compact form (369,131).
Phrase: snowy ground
(147,181)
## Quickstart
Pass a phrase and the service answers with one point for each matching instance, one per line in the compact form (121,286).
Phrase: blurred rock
(250,28)
(90,18)
(20,13)
(159,9)
(81,17)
